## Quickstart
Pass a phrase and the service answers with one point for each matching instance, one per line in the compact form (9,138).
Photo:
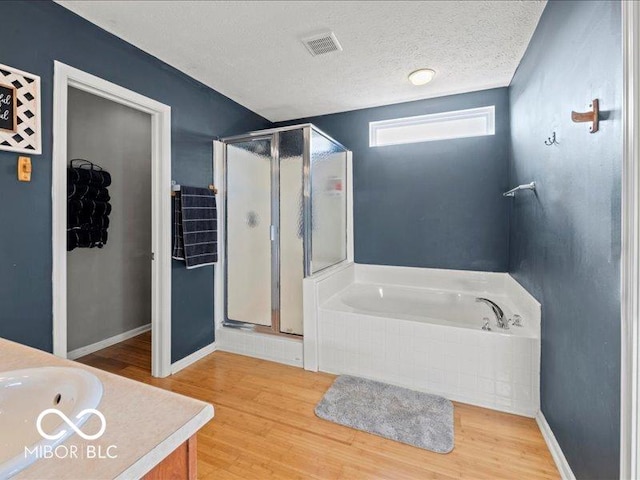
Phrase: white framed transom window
(473,122)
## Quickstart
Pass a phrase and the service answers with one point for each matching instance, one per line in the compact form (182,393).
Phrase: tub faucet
(500,318)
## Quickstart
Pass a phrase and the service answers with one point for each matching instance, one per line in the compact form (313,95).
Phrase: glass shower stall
(285,219)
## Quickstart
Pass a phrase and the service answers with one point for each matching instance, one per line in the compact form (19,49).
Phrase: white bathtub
(427,305)
(422,328)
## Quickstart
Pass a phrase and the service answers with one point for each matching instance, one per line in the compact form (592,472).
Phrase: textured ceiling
(251,51)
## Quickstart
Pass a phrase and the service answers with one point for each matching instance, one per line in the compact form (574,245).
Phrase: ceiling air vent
(322,43)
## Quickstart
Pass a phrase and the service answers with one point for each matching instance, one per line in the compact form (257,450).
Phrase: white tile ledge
(275,348)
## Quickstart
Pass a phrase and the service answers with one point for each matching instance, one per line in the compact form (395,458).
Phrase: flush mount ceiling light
(422,76)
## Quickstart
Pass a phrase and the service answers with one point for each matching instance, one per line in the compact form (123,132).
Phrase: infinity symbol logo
(66,419)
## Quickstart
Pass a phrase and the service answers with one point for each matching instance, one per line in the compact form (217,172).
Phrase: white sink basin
(25,394)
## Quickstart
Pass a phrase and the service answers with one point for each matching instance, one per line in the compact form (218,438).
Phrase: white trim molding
(630,253)
(65,77)
(193,358)
(218,278)
(554,447)
(107,342)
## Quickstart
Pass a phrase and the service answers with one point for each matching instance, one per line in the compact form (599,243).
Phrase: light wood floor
(265,428)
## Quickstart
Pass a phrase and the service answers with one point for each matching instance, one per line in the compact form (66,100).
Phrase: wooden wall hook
(592,116)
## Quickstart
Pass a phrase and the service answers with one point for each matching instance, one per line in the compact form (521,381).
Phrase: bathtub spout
(500,318)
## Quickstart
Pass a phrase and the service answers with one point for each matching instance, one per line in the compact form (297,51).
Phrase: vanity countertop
(144,423)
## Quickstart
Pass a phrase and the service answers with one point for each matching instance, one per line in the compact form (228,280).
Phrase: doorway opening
(108,282)
(105,295)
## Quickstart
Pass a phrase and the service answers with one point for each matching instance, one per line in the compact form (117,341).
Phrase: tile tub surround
(490,369)
(145,423)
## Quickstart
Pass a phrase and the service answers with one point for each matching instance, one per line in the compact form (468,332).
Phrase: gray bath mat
(416,418)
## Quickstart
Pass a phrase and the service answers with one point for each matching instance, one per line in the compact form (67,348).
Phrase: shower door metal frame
(274,137)
(306,200)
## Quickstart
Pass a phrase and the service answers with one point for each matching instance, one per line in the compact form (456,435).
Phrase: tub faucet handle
(486,325)
(517,320)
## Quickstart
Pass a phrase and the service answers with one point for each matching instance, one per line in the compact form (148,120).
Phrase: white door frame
(630,253)
(65,77)
(218,275)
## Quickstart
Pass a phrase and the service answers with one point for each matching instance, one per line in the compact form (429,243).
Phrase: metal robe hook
(551,140)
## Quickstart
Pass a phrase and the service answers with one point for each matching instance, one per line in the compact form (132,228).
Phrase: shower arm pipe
(527,186)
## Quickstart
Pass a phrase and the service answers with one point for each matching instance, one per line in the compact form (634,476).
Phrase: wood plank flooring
(265,428)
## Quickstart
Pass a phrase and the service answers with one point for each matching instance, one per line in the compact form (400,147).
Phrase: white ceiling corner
(251,51)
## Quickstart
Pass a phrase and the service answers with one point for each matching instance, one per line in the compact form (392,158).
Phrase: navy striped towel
(195,227)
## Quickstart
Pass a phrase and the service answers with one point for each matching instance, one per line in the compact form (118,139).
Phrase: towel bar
(175,187)
(512,192)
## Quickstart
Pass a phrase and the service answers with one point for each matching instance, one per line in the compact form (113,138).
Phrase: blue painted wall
(562,244)
(565,241)
(433,204)
(36,34)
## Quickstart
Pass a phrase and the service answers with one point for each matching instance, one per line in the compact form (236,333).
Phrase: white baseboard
(194,357)
(107,342)
(554,447)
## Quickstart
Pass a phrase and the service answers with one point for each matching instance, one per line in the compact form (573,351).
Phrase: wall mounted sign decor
(19,111)
(8,108)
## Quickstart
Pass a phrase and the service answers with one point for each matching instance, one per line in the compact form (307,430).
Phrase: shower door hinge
(273,233)
(153,256)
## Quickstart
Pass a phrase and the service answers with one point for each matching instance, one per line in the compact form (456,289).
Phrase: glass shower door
(291,231)
(249,232)
(285,218)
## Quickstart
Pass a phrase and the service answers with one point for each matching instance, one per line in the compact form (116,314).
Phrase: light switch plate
(24,169)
